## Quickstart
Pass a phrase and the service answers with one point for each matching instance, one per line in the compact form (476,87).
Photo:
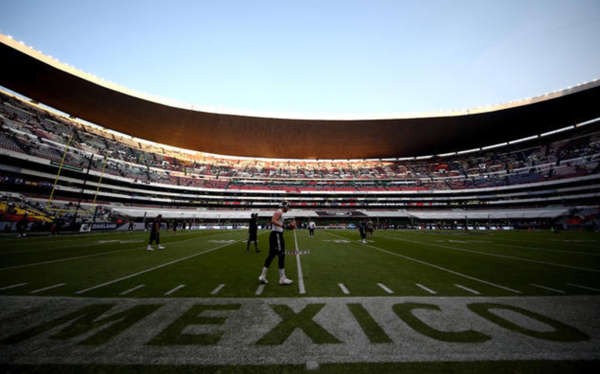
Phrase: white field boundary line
(547,288)
(438,267)
(216,290)
(13,286)
(468,289)
(497,255)
(260,290)
(301,288)
(174,289)
(548,250)
(385,288)
(584,287)
(132,289)
(344,289)
(151,269)
(587,244)
(426,289)
(87,256)
(48,288)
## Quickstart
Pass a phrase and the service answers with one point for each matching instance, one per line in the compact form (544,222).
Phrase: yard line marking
(174,289)
(439,268)
(426,289)
(132,289)
(384,287)
(301,288)
(12,286)
(498,255)
(151,269)
(548,250)
(64,259)
(584,287)
(546,288)
(468,289)
(260,289)
(87,256)
(344,289)
(48,288)
(216,290)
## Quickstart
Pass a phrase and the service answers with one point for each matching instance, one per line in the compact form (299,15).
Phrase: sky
(321,58)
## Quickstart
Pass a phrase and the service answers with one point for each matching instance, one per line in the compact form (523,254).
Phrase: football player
(276,247)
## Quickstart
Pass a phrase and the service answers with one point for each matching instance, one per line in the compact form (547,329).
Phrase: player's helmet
(284,204)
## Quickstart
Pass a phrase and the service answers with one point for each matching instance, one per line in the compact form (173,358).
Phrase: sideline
(301,288)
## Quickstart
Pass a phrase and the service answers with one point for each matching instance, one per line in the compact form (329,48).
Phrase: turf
(207,265)
(397,259)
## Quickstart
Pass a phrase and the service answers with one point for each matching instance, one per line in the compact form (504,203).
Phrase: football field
(403,301)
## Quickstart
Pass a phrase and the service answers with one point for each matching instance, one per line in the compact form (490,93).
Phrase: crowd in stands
(30,129)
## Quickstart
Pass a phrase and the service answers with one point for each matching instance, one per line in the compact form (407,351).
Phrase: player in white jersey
(276,247)
(311,228)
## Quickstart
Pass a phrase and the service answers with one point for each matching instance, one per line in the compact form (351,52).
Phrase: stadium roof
(48,81)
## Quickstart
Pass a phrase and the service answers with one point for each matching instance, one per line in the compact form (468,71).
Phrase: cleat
(263,280)
(149,248)
(160,247)
(285,281)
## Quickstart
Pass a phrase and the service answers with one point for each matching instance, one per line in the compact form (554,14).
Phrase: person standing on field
(276,247)
(311,228)
(155,234)
(252,233)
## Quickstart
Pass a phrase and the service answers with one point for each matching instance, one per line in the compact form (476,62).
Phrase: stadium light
(523,139)
(468,151)
(494,146)
(588,122)
(423,157)
(446,154)
(558,130)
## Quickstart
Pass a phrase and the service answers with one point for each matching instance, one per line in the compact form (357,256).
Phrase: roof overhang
(82,95)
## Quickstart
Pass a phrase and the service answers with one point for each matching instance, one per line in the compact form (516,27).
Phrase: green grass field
(550,272)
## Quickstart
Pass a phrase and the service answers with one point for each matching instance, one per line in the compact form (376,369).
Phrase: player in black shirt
(155,234)
(252,233)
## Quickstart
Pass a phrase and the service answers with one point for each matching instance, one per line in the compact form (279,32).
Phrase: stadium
(464,241)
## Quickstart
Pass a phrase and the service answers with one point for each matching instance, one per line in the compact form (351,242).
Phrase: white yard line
(584,287)
(546,288)
(385,288)
(174,289)
(216,290)
(132,289)
(86,256)
(301,288)
(48,288)
(12,286)
(425,288)
(440,268)
(151,269)
(344,289)
(468,289)
(498,255)
(548,250)
(65,259)
(260,289)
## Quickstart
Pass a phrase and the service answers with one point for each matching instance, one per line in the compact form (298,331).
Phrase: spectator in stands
(252,233)
(155,234)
